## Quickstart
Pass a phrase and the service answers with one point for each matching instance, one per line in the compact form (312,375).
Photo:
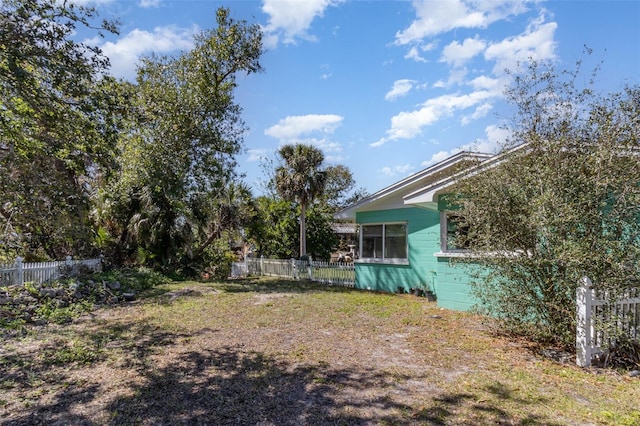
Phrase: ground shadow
(44,370)
(235,385)
(231,386)
(471,408)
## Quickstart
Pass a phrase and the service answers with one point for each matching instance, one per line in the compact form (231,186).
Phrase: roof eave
(428,194)
(350,211)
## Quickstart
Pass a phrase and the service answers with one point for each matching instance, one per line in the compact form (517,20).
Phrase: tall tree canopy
(301,179)
(58,123)
(564,206)
(340,189)
(276,230)
(179,151)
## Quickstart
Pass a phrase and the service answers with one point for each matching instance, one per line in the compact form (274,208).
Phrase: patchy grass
(276,352)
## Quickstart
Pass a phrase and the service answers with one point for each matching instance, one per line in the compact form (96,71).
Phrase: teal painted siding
(453,284)
(449,280)
(423,229)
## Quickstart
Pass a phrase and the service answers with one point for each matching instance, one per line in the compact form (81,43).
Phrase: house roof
(423,188)
(427,196)
(394,195)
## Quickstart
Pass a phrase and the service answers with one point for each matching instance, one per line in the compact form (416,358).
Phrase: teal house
(405,234)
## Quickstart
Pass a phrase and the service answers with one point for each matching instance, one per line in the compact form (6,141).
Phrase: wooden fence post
(584,300)
(294,269)
(19,276)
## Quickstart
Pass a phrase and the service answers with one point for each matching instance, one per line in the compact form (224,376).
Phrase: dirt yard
(268,352)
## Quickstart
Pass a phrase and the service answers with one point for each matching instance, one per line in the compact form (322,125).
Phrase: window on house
(454,235)
(384,241)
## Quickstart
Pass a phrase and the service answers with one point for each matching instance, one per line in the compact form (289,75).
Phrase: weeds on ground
(274,351)
(137,279)
(72,352)
(63,300)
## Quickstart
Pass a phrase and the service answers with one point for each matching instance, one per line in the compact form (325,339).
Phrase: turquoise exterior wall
(452,285)
(448,280)
(423,229)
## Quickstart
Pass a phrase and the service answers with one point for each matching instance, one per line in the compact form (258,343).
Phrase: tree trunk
(303,229)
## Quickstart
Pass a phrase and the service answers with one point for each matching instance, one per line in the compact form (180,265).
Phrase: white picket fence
(332,273)
(595,312)
(20,272)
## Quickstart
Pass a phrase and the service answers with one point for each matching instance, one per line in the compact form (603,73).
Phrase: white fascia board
(350,211)
(427,195)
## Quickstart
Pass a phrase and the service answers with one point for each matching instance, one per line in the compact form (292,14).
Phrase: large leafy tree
(321,237)
(179,152)
(301,179)
(274,231)
(340,189)
(57,126)
(564,205)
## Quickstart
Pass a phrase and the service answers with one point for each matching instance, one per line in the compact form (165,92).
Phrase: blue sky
(386,88)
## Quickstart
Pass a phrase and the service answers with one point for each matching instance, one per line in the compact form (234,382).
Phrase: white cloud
(440,84)
(439,156)
(414,54)
(387,171)
(457,54)
(456,76)
(149,3)
(407,125)
(536,42)
(437,17)
(257,154)
(125,52)
(327,74)
(404,169)
(290,19)
(321,143)
(310,129)
(487,83)
(400,88)
(496,137)
(480,112)
(292,127)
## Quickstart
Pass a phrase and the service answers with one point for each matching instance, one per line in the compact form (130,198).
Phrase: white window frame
(445,251)
(467,253)
(395,261)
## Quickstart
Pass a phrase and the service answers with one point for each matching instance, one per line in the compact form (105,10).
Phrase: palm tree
(301,180)
(230,210)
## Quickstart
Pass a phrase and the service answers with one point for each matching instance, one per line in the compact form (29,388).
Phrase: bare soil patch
(266,352)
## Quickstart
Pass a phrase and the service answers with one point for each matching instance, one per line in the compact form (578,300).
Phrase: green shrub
(133,279)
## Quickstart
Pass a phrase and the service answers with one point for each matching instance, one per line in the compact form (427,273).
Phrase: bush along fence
(332,273)
(600,320)
(20,272)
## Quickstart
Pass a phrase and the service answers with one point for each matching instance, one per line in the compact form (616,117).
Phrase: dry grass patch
(276,353)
